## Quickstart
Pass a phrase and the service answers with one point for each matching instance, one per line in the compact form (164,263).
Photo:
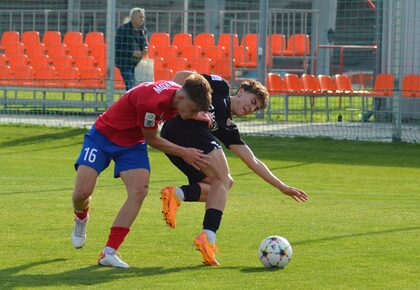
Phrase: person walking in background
(131,45)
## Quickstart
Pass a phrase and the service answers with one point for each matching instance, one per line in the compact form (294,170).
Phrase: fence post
(110,51)
(261,49)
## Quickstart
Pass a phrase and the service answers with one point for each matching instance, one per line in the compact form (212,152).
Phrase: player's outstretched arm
(256,165)
(192,156)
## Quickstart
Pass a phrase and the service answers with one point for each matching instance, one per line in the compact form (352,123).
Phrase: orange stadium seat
(310,84)
(166,51)
(411,86)
(176,63)
(118,80)
(204,40)
(294,84)
(214,53)
(69,77)
(30,37)
(51,37)
(201,65)
(326,84)
(93,38)
(4,61)
(225,40)
(98,51)
(14,48)
(9,37)
(343,84)
(311,87)
(151,51)
(275,84)
(363,80)
(57,50)
(63,61)
(297,45)
(18,60)
(6,75)
(159,39)
(92,78)
(384,85)
(23,76)
(223,68)
(182,40)
(77,50)
(45,77)
(85,62)
(192,52)
(158,63)
(250,40)
(244,57)
(164,74)
(35,49)
(40,61)
(278,44)
(73,37)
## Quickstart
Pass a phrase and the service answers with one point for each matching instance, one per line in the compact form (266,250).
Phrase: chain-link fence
(335,68)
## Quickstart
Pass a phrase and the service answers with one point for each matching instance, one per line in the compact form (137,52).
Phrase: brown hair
(256,88)
(198,90)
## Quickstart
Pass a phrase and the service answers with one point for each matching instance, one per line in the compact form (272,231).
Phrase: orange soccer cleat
(170,204)
(207,249)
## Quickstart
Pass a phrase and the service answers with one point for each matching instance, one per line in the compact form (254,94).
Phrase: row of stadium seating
(72,53)
(297,44)
(309,84)
(86,53)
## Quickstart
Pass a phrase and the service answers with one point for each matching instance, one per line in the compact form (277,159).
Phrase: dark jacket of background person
(127,41)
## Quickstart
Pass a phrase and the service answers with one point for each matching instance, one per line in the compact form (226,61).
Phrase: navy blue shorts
(97,152)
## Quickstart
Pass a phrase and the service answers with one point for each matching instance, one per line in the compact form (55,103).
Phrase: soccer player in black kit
(212,183)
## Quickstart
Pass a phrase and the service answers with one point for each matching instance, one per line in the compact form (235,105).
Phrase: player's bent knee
(82,193)
(229,182)
(138,194)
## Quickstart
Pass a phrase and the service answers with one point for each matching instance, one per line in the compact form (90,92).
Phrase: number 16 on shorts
(90,154)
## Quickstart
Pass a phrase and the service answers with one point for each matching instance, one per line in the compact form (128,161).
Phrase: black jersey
(223,127)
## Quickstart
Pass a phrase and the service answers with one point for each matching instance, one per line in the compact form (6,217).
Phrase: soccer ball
(275,252)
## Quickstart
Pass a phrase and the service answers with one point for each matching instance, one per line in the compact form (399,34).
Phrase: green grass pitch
(360,228)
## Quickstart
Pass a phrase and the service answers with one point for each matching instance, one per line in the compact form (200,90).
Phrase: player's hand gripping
(296,193)
(205,117)
(196,158)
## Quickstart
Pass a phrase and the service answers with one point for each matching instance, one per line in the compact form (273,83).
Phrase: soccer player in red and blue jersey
(121,134)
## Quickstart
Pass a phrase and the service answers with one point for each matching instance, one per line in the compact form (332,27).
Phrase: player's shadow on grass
(43,138)
(67,189)
(40,149)
(353,235)
(11,278)
(259,269)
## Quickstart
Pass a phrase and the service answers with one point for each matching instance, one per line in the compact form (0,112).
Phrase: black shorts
(189,133)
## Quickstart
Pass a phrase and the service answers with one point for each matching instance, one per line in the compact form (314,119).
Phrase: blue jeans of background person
(127,72)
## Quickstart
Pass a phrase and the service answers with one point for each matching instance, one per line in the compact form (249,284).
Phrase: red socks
(116,237)
(82,214)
